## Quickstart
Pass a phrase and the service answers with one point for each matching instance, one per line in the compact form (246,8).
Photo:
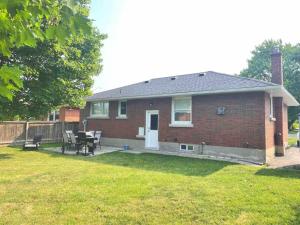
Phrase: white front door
(151,137)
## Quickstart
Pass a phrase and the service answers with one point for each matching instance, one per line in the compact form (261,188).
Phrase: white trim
(121,118)
(271,106)
(271,115)
(289,98)
(187,147)
(181,123)
(146,128)
(140,136)
(99,117)
(180,147)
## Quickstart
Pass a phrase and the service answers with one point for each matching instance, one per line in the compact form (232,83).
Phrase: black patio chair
(37,139)
(66,143)
(76,145)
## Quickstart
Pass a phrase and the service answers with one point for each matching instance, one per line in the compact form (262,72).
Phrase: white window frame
(181,123)
(181,149)
(272,118)
(187,147)
(99,115)
(121,116)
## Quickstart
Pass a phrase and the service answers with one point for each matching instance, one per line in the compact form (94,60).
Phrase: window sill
(181,125)
(99,117)
(121,118)
(140,136)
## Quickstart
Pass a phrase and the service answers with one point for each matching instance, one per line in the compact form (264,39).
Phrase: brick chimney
(279,110)
(276,64)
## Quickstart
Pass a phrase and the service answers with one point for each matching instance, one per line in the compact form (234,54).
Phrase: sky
(157,38)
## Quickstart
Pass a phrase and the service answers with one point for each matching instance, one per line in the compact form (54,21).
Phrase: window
(271,107)
(182,110)
(154,122)
(185,147)
(122,109)
(182,147)
(190,147)
(53,116)
(99,109)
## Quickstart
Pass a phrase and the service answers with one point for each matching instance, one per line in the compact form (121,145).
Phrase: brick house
(203,113)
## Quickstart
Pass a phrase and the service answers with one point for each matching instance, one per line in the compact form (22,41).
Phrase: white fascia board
(289,99)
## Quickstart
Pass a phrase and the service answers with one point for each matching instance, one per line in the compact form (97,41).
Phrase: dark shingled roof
(182,84)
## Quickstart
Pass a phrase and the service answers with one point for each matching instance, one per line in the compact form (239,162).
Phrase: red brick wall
(243,124)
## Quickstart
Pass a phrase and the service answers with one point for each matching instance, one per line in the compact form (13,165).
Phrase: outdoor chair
(66,142)
(97,141)
(69,132)
(75,144)
(34,144)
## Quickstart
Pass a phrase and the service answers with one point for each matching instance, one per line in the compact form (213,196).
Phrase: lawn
(292,141)
(121,188)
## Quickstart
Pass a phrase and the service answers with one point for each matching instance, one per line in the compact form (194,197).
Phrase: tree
(27,22)
(259,67)
(54,75)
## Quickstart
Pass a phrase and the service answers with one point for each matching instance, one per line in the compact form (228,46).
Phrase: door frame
(148,113)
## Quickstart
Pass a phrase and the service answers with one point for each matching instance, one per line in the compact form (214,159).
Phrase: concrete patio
(98,151)
(290,160)
(109,149)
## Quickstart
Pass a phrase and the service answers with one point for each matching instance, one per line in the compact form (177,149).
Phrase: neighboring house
(203,113)
(66,114)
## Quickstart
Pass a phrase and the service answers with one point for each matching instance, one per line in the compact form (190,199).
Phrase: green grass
(292,141)
(119,188)
(50,145)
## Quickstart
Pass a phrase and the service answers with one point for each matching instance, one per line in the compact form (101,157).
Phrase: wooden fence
(16,132)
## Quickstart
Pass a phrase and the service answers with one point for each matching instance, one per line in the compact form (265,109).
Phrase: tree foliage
(54,75)
(27,22)
(53,69)
(259,67)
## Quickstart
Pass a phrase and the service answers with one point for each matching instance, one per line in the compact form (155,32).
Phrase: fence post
(62,128)
(26,130)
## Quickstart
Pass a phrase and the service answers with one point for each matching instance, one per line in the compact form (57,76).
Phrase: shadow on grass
(5,156)
(154,162)
(296,221)
(285,172)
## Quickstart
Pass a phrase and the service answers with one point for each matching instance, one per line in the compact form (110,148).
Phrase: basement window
(185,147)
